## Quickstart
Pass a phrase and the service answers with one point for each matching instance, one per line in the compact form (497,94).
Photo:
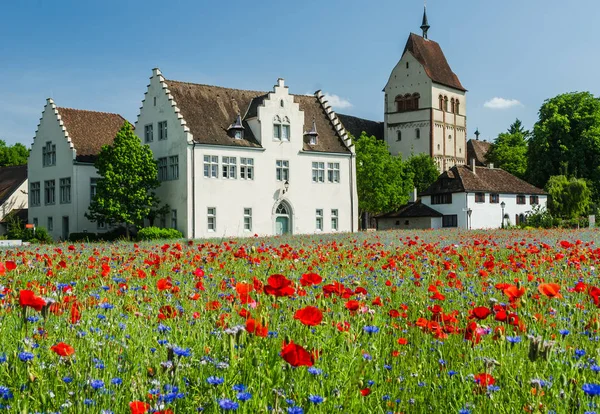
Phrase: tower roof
(430,55)
(425,25)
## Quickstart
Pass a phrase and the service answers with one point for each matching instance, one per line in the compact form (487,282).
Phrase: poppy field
(388,322)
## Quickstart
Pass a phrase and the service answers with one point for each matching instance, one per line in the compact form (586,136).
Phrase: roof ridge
(216,86)
(89,110)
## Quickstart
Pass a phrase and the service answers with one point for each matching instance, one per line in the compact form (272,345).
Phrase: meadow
(388,322)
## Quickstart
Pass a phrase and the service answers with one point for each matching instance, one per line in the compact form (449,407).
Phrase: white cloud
(337,102)
(501,103)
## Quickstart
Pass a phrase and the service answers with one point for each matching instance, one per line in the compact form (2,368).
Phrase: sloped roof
(209,110)
(430,55)
(417,209)
(461,178)
(478,150)
(11,179)
(356,126)
(90,130)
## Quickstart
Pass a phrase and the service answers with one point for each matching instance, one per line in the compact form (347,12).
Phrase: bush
(540,217)
(115,234)
(17,231)
(156,233)
(85,237)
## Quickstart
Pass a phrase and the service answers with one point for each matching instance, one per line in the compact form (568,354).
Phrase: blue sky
(99,55)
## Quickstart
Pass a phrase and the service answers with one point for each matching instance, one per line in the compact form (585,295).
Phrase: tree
(13,155)
(569,198)
(383,181)
(566,141)
(424,171)
(509,150)
(128,175)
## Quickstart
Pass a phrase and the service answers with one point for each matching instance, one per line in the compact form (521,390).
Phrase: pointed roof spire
(237,124)
(477,133)
(425,25)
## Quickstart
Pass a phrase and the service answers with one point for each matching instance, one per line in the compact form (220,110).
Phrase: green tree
(13,155)
(128,175)
(383,181)
(509,150)
(566,141)
(424,171)
(569,198)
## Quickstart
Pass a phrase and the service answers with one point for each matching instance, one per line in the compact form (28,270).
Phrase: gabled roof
(356,126)
(411,210)
(90,130)
(11,179)
(209,110)
(460,179)
(478,150)
(430,55)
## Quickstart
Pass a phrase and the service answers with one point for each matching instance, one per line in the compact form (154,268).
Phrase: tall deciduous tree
(383,181)
(424,171)
(128,172)
(13,155)
(509,150)
(566,140)
(569,198)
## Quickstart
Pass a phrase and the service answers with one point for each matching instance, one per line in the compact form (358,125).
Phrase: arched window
(450,136)
(446,103)
(399,136)
(417,133)
(415,99)
(281,103)
(400,107)
(407,102)
(452,105)
(457,107)
(282,209)
(277,128)
(285,129)
(441,98)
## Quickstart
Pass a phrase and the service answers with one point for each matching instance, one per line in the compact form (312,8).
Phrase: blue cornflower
(388,367)
(5,393)
(579,353)
(295,410)
(591,389)
(88,401)
(595,368)
(367,357)
(228,405)
(97,384)
(2,358)
(182,352)
(464,411)
(239,387)
(315,371)
(25,356)
(564,332)
(513,339)
(162,342)
(452,372)
(315,399)
(371,329)
(105,305)
(116,381)
(163,328)
(215,380)
(101,317)
(493,388)
(67,380)
(244,396)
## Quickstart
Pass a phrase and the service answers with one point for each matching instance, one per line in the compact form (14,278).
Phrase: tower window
(399,136)
(457,107)
(406,65)
(450,136)
(453,107)
(446,103)
(441,98)
(417,133)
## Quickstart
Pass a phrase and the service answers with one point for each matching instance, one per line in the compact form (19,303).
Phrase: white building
(481,197)
(238,163)
(62,176)
(13,193)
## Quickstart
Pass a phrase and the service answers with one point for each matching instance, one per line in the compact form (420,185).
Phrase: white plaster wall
(486,215)
(445,123)
(458,207)
(413,223)
(18,200)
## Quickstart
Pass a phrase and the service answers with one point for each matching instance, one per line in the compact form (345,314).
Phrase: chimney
(473,165)
(412,197)
(491,166)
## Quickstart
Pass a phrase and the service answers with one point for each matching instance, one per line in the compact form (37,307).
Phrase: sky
(511,55)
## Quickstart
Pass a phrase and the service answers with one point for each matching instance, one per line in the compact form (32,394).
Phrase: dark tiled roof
(90,130)
(478,150)
(430,55)
(356,126)
(412,210)
(10,180)
(209,110)
(19,213)
(460,179)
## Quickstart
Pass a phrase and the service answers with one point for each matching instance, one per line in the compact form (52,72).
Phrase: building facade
(62,176)
(13,194)
(237,163)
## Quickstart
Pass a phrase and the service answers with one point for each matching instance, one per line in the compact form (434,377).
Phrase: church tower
(425,104)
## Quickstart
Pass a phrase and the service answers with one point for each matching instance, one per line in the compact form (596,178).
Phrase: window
(282,170)
(417,133)
(285,132)
(49,154)
(450,220)
(457,107)
(34,194)
(313,139)
(173,219)
(319,221)
(174,167)
(334,219)
(318,172)
(441,99)
(406,65)
(211,166)
(100,225)
(155,101)
(333,172)
(162,130)
(163,221)
(281,103)
(441,198)
(149,133)
(65,190)
(450,137)
(229,167)
(49,192)
(211,215)
(399,136)
(50,224)
(35,222)
(452,105)
(446,103)
(162,169)
(93,186)
(238,134)
(494,198)
(247,219)
(277,128)
(247,168)
(520,199)
(480,197)
(534,200)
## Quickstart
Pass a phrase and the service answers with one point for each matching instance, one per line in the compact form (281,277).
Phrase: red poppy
(309,316)
(279,285)
(309,279)
(167,312)
(365,391)
(296,356)
(139,407)
(483,380)
(481,312)
(595,294)
(352,305)
(550,290)
(10,265)
(28,298)
(164,284)
(255,327)
(62,349)
(402,341)
(75,313)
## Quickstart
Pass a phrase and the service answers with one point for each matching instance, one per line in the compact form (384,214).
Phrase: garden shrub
(157,233)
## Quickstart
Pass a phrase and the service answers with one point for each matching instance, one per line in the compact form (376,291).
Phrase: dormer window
(238,134)
(312,136)
(236,130)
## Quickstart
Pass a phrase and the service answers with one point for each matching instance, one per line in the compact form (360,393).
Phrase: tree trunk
(127,231)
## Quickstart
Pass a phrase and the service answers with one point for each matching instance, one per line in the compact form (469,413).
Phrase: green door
(281,225)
